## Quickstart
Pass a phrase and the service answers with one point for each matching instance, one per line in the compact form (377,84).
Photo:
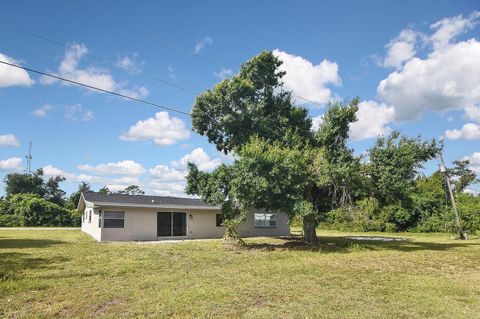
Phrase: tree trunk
(309,230)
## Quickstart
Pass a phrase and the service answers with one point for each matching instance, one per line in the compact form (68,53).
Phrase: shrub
(33,210)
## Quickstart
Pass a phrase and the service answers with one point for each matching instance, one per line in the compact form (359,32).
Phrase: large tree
(21,183)
(282,164)
(72,202)
(131,190)
(306,178)
(253,102)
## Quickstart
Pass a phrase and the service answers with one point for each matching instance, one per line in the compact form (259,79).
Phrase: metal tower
(29,157)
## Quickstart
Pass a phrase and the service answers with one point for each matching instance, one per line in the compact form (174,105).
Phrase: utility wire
(169,108)
(162,41)
(65,46)
(144,33)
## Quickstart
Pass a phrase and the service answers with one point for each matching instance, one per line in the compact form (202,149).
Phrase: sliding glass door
(171,224)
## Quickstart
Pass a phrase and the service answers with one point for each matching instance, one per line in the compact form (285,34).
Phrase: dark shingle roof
(144,200)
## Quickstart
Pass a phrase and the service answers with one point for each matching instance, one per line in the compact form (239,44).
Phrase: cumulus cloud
(307,80)
(448,28)
(166,188)
(200,45)
(469,131)
(372,118)
(11,76)
(165,173)
(50,170)
(70,68)
(447,78)
(474,162)
(473,113)
(43,111)
(400,49)
(11,164)
(127,167)
(8,140)
(224,73)
(316,122)
(130,63)
(74,112)
(162,129)
(200,158)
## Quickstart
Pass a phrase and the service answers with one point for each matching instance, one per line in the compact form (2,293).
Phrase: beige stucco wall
(141,224)
(91,227)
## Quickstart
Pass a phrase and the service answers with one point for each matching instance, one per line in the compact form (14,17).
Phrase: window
(219,220)
(113,219)
(265,220)
(90,216)
(99,219)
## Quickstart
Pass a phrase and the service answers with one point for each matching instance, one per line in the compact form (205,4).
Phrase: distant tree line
(34,200)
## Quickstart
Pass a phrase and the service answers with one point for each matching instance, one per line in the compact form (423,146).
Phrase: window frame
(100,225)
(106,219)
(90,216)
(265,220)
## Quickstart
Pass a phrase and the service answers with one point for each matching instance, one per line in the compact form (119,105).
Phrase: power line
(65,46)
(96,88)
(168,108)
(163,41)
(144,33)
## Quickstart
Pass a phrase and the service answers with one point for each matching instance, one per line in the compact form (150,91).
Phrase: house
(117,217)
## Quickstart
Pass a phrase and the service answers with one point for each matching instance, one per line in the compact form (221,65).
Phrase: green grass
(64,273)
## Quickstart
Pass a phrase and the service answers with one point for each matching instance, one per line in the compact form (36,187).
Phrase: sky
(414,64)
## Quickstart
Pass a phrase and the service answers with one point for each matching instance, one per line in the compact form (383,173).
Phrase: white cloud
(166,188)
(171,72)
(201,44)
(307,80)
(165,173)
(474,162)
(401,49)
(446,79)
(372,119)
(200,158)
(74,112)
(224,73)
(69,68)
(127,167)
(469,131)
(11,76)
(316,122)
(43,111)
(130,63)
(162,129)
(11,164)
(448,28)
(473,113)
(50,170)
(8,140)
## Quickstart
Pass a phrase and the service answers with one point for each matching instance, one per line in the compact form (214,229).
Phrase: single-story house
(117,217)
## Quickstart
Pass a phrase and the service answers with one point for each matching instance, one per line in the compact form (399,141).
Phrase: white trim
(164,206)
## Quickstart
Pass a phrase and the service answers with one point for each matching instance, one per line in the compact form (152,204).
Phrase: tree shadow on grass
(339,244)
(13,264)
(19,243)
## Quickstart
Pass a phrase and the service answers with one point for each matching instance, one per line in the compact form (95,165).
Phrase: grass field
(64,273)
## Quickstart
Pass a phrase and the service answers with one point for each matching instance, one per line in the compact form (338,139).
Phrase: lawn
(64,273)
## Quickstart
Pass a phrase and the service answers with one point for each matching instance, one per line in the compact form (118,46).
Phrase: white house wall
(141,224)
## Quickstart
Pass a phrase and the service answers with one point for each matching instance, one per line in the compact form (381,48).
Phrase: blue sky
(414,64)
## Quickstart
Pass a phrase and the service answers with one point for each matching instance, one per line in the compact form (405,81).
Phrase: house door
(171,224)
